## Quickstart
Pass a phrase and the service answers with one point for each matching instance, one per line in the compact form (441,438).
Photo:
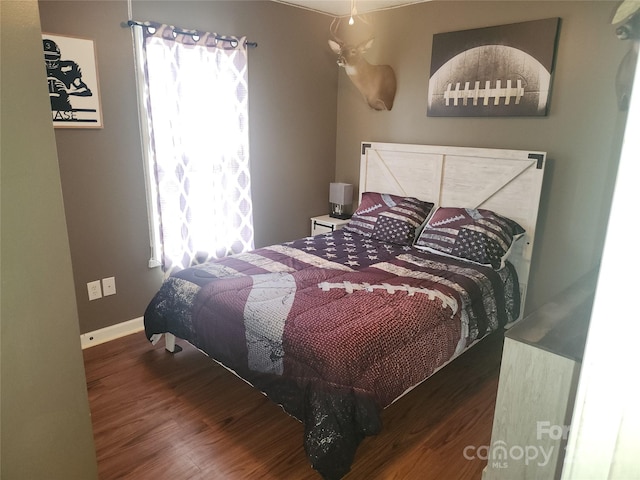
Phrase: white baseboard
(112,332)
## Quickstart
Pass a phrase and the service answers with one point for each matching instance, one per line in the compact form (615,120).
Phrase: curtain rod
(133,23)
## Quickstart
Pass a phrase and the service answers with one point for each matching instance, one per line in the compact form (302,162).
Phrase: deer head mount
(377,83)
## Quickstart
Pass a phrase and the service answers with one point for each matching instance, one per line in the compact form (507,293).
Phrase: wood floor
(161,416)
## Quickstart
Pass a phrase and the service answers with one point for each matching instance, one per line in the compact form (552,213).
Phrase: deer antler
(364,18)
(333,29)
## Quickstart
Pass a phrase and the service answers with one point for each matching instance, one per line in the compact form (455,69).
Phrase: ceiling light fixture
(353,12)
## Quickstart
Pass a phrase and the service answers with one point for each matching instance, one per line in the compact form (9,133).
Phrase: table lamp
(340,200)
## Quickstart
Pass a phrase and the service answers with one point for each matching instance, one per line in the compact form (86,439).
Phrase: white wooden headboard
(507,182)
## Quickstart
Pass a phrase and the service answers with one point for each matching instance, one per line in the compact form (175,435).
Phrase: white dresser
(539,376)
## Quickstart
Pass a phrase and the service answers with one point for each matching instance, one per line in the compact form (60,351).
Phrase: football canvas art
(493,71)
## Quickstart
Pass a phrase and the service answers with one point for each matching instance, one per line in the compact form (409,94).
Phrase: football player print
(64,78)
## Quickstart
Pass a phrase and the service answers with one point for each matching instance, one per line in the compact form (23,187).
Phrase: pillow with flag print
(474,235)
(389,218)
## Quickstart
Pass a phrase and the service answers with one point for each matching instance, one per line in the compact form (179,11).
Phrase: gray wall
(307,122)
(46,425)
(582,133)
(292,111)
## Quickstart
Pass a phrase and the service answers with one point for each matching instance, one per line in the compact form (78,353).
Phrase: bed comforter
(335,327)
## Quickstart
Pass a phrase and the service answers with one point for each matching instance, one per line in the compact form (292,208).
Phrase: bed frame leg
(170,343)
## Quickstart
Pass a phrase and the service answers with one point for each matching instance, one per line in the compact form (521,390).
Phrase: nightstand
(325,223)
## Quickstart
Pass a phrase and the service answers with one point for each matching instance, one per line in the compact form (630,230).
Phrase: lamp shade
(341,193)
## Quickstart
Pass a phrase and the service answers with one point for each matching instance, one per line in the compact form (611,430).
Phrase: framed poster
(72,77)
(495,71)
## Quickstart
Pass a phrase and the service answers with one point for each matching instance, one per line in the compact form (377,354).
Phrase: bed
(336,327)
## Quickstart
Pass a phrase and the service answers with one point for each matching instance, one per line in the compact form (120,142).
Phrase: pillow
(390,218)
(475,235)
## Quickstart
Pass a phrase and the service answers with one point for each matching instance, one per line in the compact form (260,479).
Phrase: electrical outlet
(109,286)
(94,289)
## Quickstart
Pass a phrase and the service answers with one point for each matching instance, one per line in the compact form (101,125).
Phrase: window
(193,100)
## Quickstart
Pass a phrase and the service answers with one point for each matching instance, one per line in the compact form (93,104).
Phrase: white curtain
(195,100)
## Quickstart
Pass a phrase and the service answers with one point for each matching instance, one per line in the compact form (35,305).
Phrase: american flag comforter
(334,327)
